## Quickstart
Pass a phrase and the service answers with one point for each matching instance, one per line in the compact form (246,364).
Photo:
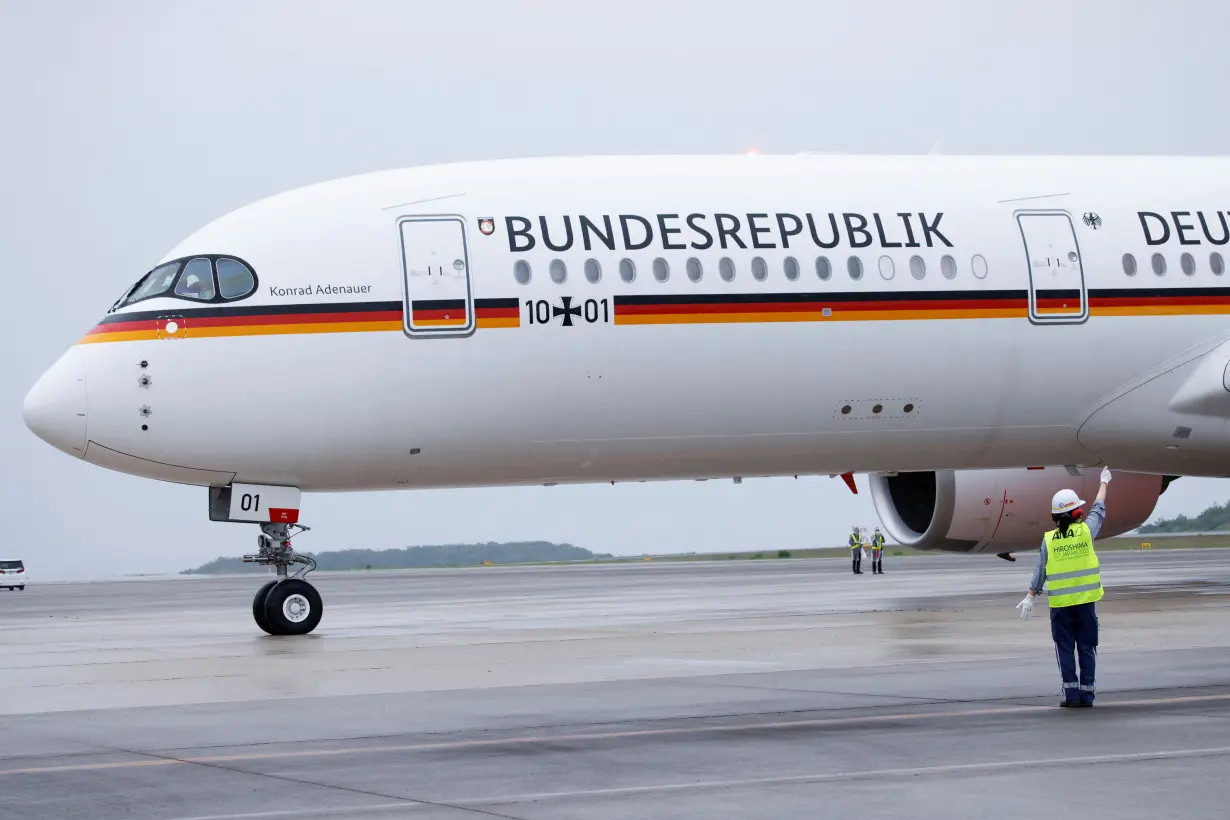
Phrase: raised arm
(1097,513)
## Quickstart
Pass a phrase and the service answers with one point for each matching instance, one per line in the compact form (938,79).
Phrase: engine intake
(1000,511)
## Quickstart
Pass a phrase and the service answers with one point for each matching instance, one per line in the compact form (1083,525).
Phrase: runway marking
(479,743)
(346,810)
(843,777)
(828,777)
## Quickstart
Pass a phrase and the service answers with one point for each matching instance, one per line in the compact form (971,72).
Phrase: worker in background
(877,552)
(1068,563)
(856,549)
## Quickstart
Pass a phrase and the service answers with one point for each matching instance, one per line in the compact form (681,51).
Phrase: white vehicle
(951,325)
(12,575)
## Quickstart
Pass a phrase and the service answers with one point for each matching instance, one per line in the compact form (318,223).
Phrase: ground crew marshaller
(856,550)
(877,553)
(1068,564)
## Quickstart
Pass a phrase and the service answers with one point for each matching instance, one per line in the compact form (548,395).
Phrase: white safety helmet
(1065,501)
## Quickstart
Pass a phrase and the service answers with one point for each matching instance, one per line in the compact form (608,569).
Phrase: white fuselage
(993,325)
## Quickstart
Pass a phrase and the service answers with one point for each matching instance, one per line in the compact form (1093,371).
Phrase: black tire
(21,589)
(258,607)
(283,600)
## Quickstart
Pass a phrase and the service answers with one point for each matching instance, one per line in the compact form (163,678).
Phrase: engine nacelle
(1000,511)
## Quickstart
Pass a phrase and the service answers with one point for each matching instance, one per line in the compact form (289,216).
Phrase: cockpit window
(156,282)
(234,278)
(206,278)
(197,281)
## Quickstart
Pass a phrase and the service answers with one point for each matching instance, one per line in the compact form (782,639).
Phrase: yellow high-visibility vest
(877,541)
(1072,573)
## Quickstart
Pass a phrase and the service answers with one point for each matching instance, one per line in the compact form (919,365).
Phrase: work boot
(1067,703)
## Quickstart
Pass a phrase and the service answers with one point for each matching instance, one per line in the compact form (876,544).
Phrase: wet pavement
(713,689)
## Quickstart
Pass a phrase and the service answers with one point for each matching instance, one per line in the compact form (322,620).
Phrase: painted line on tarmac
(828,777)
(344,811)
(481,743)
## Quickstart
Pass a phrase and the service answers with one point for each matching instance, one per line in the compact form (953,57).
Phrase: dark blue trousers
(1076,628)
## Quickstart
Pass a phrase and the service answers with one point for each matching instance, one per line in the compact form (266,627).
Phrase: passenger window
(1216,263)
(235,279)
(1188,263)
(979,266)
(760,270)
(887,269)
(1129,264)
(557,271)
(661,270)
(918,268)
(197,281)
(854,267)
(521,272)
(156,282)
(726,269)
(823,269)
(791,268)
(627,270)
(1159,264)
(593,271)
(694,269)
(948,267)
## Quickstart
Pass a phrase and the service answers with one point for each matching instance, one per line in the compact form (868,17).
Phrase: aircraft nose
(55,408)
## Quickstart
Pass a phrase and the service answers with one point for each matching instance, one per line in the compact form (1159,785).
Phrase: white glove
(1105,475)
(1026,606)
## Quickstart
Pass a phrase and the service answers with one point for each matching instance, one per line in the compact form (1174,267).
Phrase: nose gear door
(1057,292)
(436,269)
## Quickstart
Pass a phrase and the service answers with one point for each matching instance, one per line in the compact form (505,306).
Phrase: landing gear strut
(288,605)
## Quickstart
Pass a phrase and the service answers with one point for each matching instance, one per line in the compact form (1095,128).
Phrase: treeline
(1214,518)
(443,555)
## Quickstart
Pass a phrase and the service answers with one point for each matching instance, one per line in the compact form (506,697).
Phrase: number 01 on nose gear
(287,605)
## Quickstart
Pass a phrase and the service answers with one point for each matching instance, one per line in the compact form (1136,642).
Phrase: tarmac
(726,689)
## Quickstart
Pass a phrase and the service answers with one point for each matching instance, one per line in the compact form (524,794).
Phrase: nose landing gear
(288,605)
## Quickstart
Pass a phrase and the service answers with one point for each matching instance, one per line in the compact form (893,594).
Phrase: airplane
(974,333)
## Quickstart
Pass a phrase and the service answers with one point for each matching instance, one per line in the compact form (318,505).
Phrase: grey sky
(125,126)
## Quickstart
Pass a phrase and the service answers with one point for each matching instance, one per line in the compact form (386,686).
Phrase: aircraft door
(436,268)
(1057,293)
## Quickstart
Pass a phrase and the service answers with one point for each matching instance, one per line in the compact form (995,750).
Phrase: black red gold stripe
(258,320)
(815,307)
(1158,301)
(919,305)
(646,309)
(438,313)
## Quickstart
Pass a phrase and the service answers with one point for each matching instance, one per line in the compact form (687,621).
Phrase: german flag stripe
(645,309)
(903,306)
(816,307)
(912,297)
(253,320)
(1159,301)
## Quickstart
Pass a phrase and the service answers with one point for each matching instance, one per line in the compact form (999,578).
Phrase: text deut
(1189,227)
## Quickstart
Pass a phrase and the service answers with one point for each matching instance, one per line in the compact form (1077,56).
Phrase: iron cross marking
(567,311)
